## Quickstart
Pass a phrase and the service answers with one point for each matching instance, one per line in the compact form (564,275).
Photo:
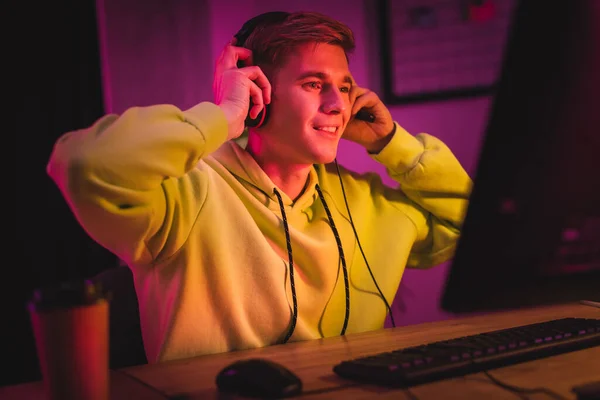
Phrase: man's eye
(313,85)
(345,89)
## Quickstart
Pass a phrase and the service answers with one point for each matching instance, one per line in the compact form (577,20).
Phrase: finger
(356,91)
(256,95)
(231,55)
(256,75)
(367,100)
(219,59)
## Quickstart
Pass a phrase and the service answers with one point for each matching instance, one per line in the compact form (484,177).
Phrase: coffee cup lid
(66,295)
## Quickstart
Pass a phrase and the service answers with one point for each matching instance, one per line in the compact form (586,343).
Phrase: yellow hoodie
(197,221)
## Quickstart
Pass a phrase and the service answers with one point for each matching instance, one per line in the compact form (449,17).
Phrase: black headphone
(249,26)
(262,20)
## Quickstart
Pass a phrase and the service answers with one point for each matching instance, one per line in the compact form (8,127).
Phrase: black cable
(326,390)
(410,394)
(141,382)
(360,246)
(521,390)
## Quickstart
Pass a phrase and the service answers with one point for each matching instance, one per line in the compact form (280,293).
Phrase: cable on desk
(410,394)
(325,390)
(141,382)
(521,390)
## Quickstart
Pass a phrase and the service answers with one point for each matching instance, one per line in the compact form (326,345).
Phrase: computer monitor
(532,230)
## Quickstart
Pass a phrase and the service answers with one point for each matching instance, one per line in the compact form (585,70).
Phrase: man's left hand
(374,136)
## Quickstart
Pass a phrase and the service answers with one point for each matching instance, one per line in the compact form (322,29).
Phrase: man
(236,247)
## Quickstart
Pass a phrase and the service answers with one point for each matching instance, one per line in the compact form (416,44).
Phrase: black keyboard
(469,354)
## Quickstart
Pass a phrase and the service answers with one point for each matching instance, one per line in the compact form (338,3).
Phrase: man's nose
(333,101)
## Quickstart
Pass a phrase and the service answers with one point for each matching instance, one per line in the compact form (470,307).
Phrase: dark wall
(57,79)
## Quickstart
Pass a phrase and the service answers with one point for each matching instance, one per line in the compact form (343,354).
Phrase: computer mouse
(587,391)
(258,377)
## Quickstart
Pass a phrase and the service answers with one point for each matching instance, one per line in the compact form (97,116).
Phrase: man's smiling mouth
(328,129)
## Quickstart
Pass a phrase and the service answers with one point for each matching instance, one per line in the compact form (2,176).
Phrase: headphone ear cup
(261,118)
(262,20)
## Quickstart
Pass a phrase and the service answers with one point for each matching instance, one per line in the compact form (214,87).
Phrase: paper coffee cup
(70,326)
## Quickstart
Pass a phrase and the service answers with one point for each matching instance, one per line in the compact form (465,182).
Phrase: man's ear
(260,119)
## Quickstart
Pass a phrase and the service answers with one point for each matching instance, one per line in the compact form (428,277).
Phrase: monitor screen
(532,230)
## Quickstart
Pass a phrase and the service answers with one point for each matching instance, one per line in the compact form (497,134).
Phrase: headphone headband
(268,18)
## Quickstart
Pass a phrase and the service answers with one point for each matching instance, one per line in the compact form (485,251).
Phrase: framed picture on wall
(434,50)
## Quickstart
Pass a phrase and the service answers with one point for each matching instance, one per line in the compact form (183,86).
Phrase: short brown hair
(271,44)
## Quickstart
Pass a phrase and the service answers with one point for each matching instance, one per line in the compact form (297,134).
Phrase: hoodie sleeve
(430,176)
(131,180)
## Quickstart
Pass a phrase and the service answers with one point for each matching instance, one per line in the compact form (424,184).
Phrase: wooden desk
(313,361)
(122,387)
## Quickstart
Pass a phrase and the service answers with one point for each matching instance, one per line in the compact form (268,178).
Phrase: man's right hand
(233,87)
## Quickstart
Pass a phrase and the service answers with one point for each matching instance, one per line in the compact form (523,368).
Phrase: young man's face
(310,107)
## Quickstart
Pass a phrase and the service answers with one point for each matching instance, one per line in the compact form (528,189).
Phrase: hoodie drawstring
(291,263)
(291,269)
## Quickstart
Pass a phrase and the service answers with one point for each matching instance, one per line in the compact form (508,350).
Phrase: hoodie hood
(235,159)
(239,163)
